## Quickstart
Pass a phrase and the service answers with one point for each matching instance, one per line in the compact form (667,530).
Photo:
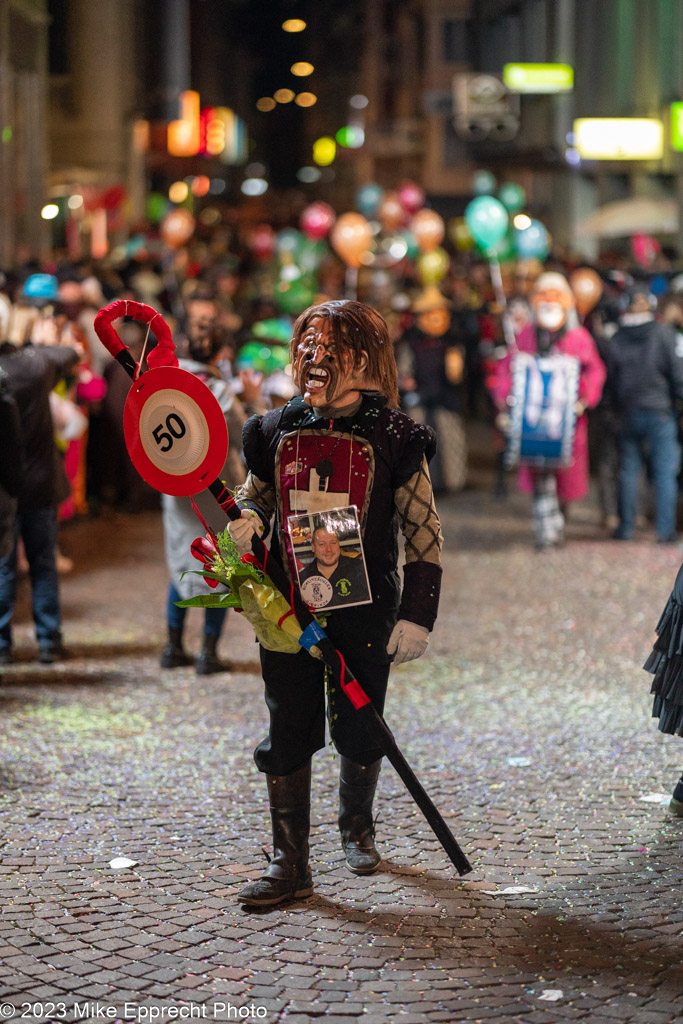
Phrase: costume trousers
(295,696)
(547,514)
(38,530)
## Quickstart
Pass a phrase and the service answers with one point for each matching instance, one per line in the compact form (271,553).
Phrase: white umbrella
(631,217)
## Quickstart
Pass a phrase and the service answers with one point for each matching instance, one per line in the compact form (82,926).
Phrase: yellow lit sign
(539,78)
(619,138)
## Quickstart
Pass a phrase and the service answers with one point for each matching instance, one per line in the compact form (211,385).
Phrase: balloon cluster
(298,253)
(389,226)
(487,225)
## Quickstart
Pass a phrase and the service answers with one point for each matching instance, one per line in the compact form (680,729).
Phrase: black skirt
(666,663)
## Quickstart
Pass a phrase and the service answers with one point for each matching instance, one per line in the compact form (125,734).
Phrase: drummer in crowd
(554,330)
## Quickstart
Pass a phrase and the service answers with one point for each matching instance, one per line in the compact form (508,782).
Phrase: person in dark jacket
(645,380)
(32,371)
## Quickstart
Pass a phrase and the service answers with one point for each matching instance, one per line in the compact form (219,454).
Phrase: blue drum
(542,410)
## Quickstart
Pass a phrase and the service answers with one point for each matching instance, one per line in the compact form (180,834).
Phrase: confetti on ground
(122,862)
(510,890)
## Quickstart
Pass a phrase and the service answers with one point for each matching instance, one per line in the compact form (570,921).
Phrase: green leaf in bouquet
(210,601)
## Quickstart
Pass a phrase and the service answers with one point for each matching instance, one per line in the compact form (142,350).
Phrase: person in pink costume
(555,329)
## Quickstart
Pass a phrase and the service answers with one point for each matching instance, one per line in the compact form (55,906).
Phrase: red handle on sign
(164,352)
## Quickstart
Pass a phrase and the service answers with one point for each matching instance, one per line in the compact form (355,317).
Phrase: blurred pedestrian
(554,331)
(645,377)
(33,369)
(431,354)
(181,524)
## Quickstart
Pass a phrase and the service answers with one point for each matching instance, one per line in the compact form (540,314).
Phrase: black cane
(375,726)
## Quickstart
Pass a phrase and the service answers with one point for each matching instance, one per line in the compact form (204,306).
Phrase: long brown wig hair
(357,328)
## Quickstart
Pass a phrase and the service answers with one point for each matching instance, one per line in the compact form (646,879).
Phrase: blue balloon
(368,198)
(532,242)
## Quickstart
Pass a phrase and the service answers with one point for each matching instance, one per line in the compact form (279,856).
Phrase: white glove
(243,529)
(407,642)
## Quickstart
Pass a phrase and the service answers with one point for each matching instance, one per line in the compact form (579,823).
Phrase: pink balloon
(317,220)
(262,242)
(411,196)
(644,249)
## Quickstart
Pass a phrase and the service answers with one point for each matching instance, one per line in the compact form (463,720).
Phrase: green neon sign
(539,78)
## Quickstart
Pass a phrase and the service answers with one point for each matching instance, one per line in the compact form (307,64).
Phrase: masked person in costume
(555,331)
(341,445)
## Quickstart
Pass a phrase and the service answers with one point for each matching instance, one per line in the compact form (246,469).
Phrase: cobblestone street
(528,722)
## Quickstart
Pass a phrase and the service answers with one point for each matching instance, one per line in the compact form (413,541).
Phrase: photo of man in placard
(336,575)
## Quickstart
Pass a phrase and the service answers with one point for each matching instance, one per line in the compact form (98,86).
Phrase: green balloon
(413,250)
(266,359)
(293,297)
(310,255)
(512,196)
(275,330)
(156,206)
(487,220)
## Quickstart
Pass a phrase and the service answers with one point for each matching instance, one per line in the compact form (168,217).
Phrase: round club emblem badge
(316,591)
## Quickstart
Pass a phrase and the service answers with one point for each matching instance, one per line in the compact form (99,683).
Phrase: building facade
(23,144)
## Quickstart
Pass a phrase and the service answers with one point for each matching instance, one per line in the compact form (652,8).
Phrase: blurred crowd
(231,310)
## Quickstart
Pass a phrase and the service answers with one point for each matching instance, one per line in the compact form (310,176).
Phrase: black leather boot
(357,786)
(208,661)
(288,876)
(173,655)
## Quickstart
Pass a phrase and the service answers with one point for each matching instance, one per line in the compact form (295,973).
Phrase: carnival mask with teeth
(324,370)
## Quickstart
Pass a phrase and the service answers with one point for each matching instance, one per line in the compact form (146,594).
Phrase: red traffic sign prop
(175,431)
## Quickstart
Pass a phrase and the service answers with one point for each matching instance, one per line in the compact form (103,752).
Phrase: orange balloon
(587,288)
(428,228)
(390,213)
(177,227)
(351,238)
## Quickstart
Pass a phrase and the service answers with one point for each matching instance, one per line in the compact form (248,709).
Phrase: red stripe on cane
(353,690)
(208,529)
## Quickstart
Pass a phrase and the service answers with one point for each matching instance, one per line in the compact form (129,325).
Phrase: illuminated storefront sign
(619,138)
(539,78)
(183,134)
(676,113)
(211,131)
